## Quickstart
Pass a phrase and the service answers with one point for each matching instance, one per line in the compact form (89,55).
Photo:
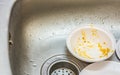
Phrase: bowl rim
(100,28)
(118,49)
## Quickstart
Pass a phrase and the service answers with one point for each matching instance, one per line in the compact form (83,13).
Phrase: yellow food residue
(94,32)
(104,43)
(83,36)
(84,54)
(104,51)
(85,48)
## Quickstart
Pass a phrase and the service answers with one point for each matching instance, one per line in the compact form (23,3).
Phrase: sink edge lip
(6,8)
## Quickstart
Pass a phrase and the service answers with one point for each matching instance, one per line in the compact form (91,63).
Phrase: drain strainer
(63,71)
(62,65)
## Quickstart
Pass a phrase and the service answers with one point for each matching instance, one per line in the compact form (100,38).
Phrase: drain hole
(63,68)
(62,65)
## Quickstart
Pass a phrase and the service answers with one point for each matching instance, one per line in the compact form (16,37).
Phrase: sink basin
(38,31)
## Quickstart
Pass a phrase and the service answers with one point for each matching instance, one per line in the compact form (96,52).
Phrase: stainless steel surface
(39,28)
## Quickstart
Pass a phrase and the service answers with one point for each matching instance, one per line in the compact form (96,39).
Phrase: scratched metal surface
(39,28)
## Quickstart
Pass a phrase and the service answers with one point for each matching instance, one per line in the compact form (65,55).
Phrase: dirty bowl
(91,43)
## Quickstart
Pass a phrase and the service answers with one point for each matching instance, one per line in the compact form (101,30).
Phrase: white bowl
(91,43)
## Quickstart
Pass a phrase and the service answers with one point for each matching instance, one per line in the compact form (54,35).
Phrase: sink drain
(62,65)
(63,71)
(63,68)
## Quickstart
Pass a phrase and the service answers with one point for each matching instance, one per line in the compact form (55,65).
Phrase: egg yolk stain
(84,45)
(104,51)
(94,32)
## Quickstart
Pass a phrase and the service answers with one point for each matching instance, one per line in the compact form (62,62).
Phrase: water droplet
(102,22)
(39,38)
(79,23)
(34,65)
(27,74)
(31,60)
(112,26)
(82,19)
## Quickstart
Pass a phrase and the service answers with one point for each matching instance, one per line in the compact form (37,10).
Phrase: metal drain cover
(62,65)
(63,71)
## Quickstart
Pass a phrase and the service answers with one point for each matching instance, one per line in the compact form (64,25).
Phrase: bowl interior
(92,35)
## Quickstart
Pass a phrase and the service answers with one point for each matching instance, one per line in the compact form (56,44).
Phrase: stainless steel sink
(39,28)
